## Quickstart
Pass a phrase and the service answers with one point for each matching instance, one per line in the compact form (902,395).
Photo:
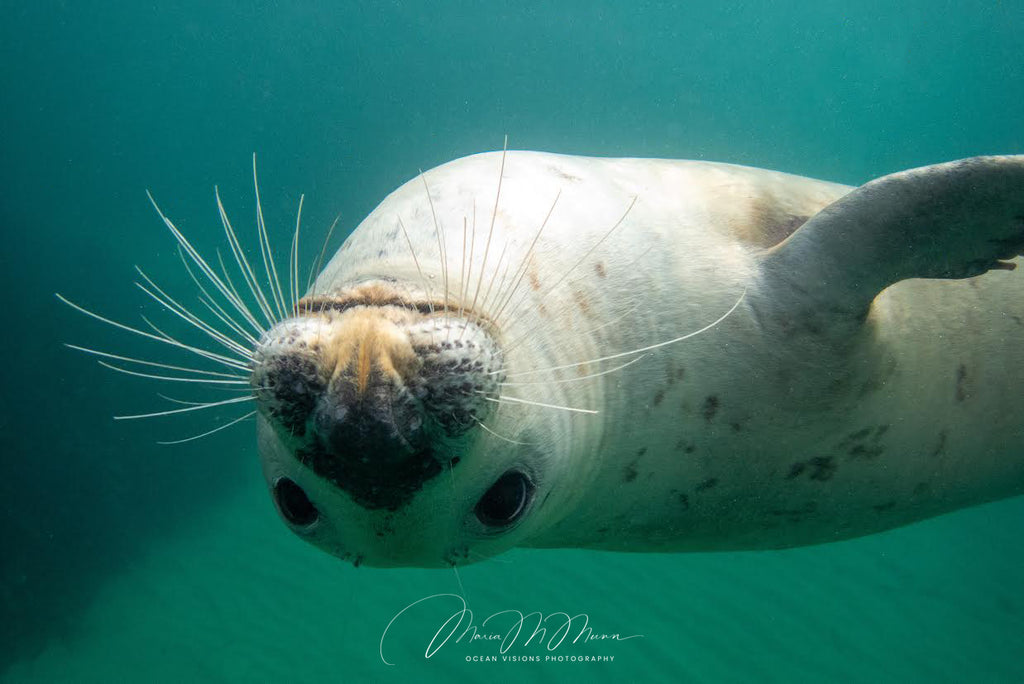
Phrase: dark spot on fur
(882,508)
(822,468)
(858,446)
(684,501)
(866,451)
(961,378)
(922,489)
(599,269)
(640,452)
(819,469)
(736,427)
(856,436)
(630,472)
(941,446)
(604,530)
(707,484)
(659,397)
(710,408)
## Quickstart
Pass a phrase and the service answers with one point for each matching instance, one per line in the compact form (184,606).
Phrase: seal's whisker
(501,437)
(588,376)
(197,259)
(517,277)
(246,270)
(478,315)
(416,261)
(442,244)
(128,359)
(177,309)
(211,303)
(198,407)
(273,283)
(462,270)
(197,350)
(293,262)
(490,232)
(464,295)
(161,337)
(516,400)
(206,381)
(217,311)
(225,426)
(571,269)
(640,349)
(318,264)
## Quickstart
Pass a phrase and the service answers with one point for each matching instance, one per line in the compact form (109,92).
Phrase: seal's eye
(295,506)
(505,501)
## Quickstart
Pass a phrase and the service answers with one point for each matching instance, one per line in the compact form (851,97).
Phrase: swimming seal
(530,349)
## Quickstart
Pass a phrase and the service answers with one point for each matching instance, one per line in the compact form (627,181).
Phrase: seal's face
(365,401)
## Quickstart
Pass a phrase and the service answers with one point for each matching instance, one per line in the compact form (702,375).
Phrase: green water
(127,561)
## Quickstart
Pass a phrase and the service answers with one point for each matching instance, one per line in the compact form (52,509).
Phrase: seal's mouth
(374,394)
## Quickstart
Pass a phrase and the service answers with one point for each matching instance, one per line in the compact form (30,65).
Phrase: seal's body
(494,358)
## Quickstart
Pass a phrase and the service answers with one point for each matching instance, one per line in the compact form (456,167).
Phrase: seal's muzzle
(375,399)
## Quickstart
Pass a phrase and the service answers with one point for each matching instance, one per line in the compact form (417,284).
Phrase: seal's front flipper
(953,220)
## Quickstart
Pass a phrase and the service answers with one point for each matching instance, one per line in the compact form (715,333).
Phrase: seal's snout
(375,399)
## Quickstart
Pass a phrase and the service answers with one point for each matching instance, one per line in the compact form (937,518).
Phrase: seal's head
(369,401)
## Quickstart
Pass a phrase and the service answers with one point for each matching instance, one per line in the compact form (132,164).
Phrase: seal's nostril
(293,503)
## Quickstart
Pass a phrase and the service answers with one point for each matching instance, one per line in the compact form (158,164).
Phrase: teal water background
(123,560)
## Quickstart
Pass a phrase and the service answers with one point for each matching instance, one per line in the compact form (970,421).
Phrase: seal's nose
(382,424)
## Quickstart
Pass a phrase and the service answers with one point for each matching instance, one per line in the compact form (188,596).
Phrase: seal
(531,349)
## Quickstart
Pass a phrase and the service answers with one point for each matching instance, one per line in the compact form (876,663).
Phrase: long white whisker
(416,261)
(320,260)
(178,310)
(212,304)
(214,404)
(517,400)
(221,315)
(501,437)
(293,264)
(490,281)
(635,351)
(205,381)
(246,270)
(225,426)
(268,255)
(517,277)
(142,362)
(462,270)
(578,262)
(577,379)
(197,259)
(442,243)
(490,232)
(166,339)
(231,286)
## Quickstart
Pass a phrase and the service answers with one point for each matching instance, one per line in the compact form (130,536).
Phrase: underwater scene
(685,424)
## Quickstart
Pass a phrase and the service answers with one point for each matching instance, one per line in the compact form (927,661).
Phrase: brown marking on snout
(363,342)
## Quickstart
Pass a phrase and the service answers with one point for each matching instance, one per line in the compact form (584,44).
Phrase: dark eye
(505,501)
(293,503)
